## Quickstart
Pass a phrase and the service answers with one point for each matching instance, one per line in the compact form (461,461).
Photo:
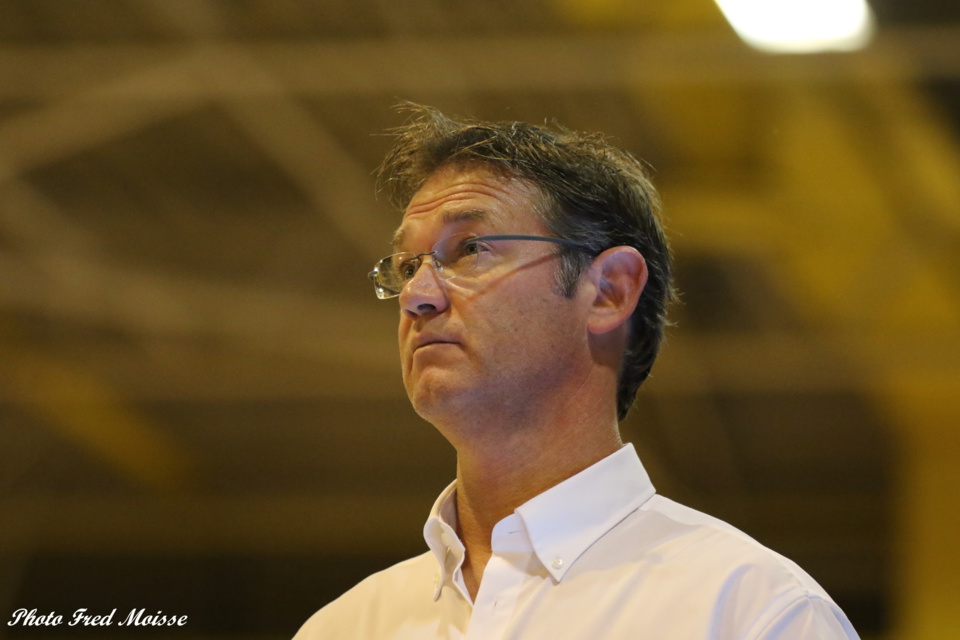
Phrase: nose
(424,293)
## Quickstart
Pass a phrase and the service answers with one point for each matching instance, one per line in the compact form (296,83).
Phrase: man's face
(503,341)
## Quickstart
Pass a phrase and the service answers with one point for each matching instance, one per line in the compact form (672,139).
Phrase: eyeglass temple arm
(563,241)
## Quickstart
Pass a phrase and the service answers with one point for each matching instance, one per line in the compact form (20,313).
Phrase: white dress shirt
(598,556)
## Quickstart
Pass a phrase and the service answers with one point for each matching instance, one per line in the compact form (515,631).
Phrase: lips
(426,341)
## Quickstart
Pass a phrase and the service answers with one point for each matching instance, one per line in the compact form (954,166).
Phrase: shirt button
(557,563)
(436,579)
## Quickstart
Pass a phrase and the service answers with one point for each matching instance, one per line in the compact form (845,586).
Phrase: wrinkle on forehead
(448,217)
(490,186)
(486,191)
(461,174)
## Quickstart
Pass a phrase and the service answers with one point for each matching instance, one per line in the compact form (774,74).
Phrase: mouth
(432,342)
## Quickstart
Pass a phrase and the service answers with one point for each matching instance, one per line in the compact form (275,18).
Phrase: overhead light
(800,26)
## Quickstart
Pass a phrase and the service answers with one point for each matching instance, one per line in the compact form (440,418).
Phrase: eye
(407,269)
(472,247)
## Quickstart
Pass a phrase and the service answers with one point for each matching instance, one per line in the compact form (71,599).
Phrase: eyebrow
(449,217)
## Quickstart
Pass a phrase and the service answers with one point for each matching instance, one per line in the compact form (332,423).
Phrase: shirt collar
(440,533)
(562,522)
(565,520)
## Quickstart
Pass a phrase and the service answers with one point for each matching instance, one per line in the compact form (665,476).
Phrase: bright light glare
(800,26)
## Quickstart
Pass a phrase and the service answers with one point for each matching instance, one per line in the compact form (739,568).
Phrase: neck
(491,487)
(510,459)
(509,452)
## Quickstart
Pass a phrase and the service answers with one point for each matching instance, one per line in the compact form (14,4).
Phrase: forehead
(456,195)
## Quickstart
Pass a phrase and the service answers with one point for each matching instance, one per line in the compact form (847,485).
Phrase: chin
(436,400)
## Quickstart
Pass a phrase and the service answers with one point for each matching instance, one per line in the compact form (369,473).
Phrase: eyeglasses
(461,255)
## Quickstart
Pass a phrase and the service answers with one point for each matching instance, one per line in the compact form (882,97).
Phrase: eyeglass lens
(453,256)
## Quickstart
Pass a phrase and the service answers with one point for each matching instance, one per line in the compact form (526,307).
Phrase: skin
(519,378)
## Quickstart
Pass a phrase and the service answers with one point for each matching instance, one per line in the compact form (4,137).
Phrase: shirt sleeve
(809,618)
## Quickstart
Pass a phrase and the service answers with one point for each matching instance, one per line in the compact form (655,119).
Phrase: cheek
(522,323)
(403,331)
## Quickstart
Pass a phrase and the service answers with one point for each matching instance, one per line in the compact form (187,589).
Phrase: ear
(618,275)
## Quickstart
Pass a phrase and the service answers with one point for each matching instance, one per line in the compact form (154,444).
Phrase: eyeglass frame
(418,257)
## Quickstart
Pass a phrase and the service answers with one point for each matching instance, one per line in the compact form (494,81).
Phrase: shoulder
(739,587)
(377,599)
(689,536)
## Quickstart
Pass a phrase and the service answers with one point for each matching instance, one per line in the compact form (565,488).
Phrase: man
(532,277)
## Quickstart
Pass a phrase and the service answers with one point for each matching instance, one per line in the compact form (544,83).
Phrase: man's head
(590,193)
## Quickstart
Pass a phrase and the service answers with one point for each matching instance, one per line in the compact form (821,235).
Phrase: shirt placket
(503,580)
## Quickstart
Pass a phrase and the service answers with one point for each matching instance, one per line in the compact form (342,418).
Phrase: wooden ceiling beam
(410,65)
(155,306)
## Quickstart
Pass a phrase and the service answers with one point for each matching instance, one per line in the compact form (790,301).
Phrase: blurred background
(201,411)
